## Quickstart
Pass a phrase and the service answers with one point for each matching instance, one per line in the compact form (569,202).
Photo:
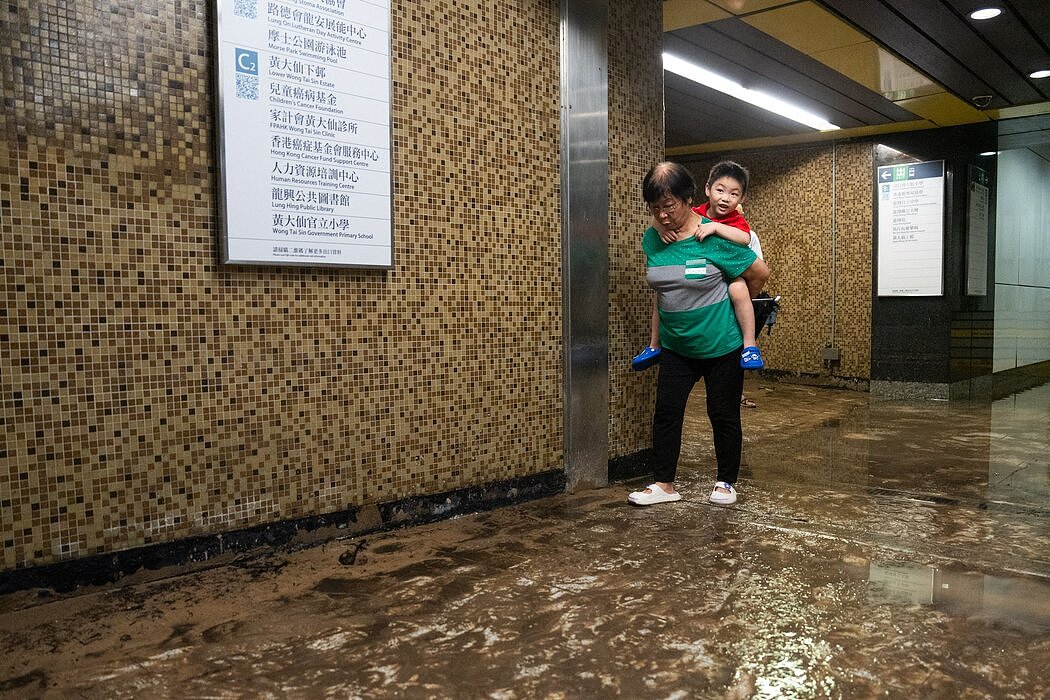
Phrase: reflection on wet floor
(879,548)
(1021,604)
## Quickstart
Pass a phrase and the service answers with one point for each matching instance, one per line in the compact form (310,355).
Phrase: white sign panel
(977,234)
(304,94)
(911,229)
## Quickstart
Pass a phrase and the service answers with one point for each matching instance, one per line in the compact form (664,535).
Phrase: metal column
(585,239)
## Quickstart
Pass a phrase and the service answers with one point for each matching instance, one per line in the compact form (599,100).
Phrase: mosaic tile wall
(797,198)
(635,143)
(151,394)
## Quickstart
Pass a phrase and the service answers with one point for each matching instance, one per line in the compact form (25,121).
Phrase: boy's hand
(705,230)
(666,235)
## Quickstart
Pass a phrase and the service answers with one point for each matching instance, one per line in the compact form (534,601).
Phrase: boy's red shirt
(735,218)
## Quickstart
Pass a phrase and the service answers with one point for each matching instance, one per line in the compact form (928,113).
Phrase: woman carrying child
(697,329)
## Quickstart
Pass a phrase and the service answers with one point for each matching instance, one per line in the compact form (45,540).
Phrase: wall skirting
(158,561)
(631,466)
(910,390)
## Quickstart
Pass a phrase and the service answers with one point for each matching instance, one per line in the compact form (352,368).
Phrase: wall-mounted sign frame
(977,203)
(910,215)
(304,132)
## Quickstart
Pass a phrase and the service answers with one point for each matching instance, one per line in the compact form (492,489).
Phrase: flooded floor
(879,548)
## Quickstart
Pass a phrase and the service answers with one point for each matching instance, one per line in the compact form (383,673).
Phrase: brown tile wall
(805,203)
(635,143)
(150,393)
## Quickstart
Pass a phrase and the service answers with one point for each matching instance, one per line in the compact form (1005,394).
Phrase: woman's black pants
(724,380)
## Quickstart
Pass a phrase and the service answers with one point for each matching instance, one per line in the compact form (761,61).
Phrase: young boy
(726,190)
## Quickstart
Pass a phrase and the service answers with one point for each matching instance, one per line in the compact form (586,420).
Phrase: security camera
(981,101)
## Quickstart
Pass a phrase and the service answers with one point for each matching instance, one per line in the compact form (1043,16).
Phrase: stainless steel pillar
(585,239)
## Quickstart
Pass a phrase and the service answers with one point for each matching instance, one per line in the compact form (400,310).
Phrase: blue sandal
(751,358)
(645,359)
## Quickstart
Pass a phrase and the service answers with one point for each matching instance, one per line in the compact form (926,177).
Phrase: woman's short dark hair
(728,168)
(668,178)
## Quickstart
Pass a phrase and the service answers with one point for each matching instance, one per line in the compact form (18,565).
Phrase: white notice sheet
(305,131)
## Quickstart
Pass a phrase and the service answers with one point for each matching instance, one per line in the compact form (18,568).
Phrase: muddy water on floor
(878,548)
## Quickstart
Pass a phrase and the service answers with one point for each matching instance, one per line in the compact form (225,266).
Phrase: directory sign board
(911,229)
(304,132)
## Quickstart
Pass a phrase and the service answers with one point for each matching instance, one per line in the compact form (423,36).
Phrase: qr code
(247,86)
(245,8)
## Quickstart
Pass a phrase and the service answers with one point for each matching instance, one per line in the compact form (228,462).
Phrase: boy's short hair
(668,178)
(728,168)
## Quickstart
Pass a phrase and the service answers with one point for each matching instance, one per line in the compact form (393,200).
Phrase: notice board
(977,233)
(910,214)
(304,132)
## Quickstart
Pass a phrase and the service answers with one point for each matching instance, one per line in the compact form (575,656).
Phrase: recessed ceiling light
(987,153)
(1045,73)
(986,13)
(759,99)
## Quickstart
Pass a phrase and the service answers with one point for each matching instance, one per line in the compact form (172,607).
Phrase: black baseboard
(104,569)
(632,466)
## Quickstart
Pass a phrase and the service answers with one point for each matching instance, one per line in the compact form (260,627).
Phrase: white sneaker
(721,497)
(655,495)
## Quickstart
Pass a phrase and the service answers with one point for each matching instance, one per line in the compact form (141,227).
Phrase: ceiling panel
(799,72)
(864,65)
(959,37)
(943,109)
(807,27)
(692,109)
(738,7)
(683,13)
(964,56)
(890,29)
(775,81)
(1023,48)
